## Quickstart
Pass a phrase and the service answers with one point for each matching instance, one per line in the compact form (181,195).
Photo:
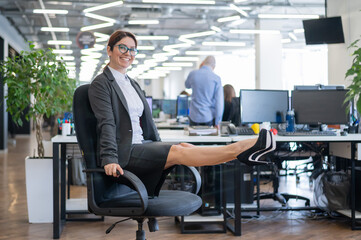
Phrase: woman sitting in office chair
(127,136)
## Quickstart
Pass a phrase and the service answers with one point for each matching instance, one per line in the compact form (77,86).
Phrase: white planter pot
(39,189)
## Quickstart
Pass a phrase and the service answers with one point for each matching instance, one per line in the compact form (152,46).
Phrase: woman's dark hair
(119,35)
(228,92)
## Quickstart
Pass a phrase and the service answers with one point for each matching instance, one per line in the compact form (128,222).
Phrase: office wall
(339,57)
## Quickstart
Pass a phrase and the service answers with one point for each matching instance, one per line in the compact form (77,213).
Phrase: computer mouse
(343,133)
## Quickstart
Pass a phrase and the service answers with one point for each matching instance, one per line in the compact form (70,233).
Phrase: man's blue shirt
(207,95)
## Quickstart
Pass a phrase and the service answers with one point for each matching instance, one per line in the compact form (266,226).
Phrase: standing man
(207,95)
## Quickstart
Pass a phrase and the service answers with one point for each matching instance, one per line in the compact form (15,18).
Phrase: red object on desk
(274,131)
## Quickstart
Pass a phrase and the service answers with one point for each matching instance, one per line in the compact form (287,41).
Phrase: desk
(175,136)
(352,139)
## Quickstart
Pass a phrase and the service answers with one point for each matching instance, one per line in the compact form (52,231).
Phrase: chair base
(283,198)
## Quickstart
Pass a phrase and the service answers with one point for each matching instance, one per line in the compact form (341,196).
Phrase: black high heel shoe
(266,143)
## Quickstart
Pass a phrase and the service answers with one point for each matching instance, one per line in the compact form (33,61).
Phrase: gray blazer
(114,129)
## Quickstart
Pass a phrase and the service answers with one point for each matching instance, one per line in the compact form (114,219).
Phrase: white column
(268,56)
(339,57)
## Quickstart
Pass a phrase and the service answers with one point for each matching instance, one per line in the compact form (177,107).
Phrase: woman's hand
(113,169)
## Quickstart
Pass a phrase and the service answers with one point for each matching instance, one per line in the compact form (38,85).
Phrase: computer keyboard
(244,131)
(308,133)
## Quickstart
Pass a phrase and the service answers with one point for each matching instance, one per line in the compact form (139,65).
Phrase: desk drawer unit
(343,150)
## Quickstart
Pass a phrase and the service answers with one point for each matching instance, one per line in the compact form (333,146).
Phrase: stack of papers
(201,131)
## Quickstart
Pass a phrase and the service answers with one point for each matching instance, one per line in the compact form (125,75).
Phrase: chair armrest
(134,180)
(197,178)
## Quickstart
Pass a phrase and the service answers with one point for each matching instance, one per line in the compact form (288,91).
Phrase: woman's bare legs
(196,156)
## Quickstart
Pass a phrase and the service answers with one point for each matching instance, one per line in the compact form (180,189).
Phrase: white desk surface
(64,139)
(180,136)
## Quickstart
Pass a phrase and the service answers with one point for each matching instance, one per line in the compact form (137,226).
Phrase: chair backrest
(86,133)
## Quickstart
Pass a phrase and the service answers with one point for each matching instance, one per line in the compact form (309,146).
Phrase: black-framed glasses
(123,49)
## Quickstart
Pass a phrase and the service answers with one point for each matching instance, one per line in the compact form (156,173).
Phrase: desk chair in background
(283,154)
(126,202)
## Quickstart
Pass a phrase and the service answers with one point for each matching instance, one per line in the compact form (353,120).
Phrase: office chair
(129,199)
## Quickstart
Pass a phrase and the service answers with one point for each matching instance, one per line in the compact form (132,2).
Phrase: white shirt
(135,104)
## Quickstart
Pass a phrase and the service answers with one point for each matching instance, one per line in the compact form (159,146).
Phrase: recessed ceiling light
(203,53)
(228,19)
(99,17)
(63,51)
(54,29)
(60,42)
(97,26)
(103,6)
(224,44)
(198,34)
(181,1)
(194,59)
(152,37)
(50,11)
(142,22)
(241,11)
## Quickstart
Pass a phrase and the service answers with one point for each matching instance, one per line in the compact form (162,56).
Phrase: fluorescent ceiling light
(180,45)
(193,59)
(198,34)
(152,37)
(96,26)
(301,30)
(177,64)
(168,68)
(238,22)
(302,16)
(286,40)
(200,53)
(99,17)
(143,22)
(63,51)
(50,11)
(101,37)
(65,58)
(228,19)
(185,40)
(224,44)
(70,63)
(145,47)
(217,29)
(242,12)
(60,42)
(246,31)
(93,54)
(54,29)
(59,3)
(293,36)
(180,1)
(103,6)
(141,55)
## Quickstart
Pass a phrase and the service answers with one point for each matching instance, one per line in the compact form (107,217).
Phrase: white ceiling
(174,20)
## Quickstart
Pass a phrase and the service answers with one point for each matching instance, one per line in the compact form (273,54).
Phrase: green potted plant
(354,74)
(38,81)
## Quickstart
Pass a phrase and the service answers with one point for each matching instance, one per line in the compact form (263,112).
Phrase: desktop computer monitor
(257,106)
(169,106)
(182,106)
(317,107)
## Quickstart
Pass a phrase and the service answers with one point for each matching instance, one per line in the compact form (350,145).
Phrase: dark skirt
(147,162)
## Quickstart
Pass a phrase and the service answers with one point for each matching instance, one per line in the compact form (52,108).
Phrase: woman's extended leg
(190,155)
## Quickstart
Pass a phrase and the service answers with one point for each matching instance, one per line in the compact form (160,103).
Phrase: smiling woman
(127,136)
